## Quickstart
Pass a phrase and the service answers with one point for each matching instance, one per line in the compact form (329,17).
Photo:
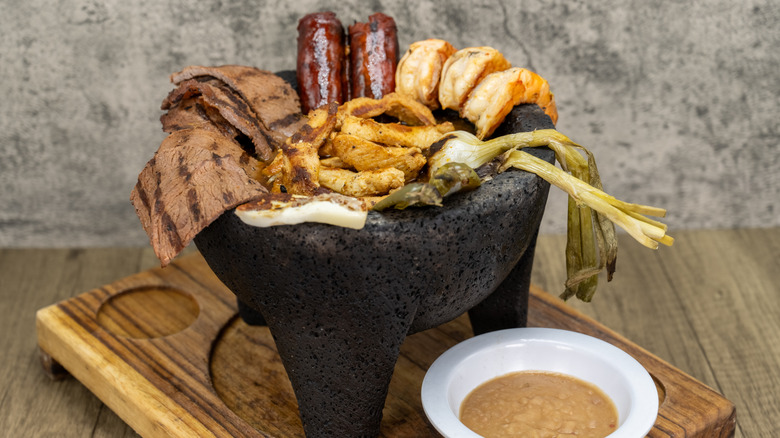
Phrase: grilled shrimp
(419,70)
(464,70)
(494,97)
(537,90)
(478,82)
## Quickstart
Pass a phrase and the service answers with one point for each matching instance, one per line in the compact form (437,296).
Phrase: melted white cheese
(324,212)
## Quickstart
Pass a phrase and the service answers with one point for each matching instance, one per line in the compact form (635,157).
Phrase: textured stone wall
(677,99)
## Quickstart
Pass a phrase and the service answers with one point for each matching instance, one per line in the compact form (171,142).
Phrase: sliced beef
(190,113)
(194,177)
(206,165)
(213,94)
(272,99)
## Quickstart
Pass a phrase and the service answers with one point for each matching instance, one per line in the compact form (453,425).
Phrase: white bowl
(474,361)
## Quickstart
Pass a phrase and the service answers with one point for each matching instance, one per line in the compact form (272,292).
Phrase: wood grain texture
(708,305)
(31,405)
(178,385)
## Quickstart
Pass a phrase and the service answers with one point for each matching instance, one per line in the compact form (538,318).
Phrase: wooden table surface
(709,305)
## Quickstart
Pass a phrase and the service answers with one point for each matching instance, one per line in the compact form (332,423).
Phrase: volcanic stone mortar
(339,302)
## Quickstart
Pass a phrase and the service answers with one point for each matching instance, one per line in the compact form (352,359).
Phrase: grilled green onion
(455,177)
(448,179)
(592,214)
(466,148)
(411,195)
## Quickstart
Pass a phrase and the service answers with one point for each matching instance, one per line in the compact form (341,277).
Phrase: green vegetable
(448,179)
(455,177)
(463,147)
(410,195)
(592,214)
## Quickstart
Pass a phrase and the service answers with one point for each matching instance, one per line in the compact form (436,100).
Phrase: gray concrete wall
(677,99)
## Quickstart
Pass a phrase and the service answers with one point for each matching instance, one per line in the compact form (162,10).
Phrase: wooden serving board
(166,351)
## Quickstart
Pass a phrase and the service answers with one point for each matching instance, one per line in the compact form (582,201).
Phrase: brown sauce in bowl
(538,405)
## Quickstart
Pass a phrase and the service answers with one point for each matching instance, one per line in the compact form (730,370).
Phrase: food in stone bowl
(362,198)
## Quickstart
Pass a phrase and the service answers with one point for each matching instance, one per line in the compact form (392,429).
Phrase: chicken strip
(403,108)
(364,183)
(420,69)
(464,70)
(333,162)
(295,169)
(395,134)
(362,155)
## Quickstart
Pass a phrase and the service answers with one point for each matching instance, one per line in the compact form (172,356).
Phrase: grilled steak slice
(194,177)
(272,99)
(212,93)
(190,113)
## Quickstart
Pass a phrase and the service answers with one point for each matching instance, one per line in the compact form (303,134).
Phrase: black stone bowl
(339,302)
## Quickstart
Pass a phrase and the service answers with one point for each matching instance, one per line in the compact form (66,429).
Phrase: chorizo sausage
(373,56)
(321,67)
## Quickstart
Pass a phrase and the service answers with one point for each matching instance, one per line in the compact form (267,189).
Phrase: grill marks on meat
(206,166)
(211,97)
(193,178)
(190,113)
(274,101)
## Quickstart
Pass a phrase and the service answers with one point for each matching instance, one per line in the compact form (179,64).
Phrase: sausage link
(321,68)
(373,56)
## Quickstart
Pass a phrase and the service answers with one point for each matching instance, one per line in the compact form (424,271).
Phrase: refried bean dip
(535,404)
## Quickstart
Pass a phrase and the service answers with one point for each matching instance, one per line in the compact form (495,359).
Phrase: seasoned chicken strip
(464,70)
(395,134)
(498,93)
(403,108)
(419,70)
(365,183)
(362,155)
(333,162)
(295,169)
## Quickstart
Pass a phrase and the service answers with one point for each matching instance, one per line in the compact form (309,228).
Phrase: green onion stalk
(448,179)
(592,214)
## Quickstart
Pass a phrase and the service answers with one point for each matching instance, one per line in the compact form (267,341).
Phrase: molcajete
(339,302)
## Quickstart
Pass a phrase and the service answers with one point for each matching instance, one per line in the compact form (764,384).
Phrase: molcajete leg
(340,359)
(507,306)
